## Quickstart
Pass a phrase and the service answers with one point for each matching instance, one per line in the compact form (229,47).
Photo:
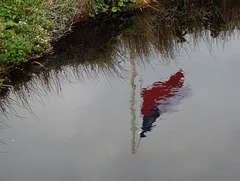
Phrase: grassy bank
(28,27)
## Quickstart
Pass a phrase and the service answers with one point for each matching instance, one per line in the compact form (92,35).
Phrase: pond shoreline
(27,34)
(90,15)
(171,15)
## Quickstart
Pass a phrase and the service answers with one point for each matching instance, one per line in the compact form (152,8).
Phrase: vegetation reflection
(103,45)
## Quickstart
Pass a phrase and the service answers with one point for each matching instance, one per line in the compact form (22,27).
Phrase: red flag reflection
(162,97)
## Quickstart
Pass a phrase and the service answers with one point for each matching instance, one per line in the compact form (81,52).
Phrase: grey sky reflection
(87,135)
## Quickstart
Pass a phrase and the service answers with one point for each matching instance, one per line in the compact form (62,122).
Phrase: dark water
(149,118)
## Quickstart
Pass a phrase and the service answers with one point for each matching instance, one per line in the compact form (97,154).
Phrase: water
(85,127)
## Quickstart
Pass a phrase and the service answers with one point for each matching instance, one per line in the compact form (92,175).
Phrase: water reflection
(161,98)
(105,45)
(90,131)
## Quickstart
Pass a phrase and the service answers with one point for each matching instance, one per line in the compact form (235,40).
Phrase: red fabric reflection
(159,92)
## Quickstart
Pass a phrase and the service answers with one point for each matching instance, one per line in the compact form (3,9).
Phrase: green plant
(102,6)
(1,84)
(1,81)
(25,31)
(27,27)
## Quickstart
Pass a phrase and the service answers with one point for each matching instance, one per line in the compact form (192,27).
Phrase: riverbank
(27,30)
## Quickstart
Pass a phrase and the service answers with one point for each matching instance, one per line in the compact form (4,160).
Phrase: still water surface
(88,129)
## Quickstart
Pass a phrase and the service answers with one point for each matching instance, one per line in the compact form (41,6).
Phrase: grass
(27,27)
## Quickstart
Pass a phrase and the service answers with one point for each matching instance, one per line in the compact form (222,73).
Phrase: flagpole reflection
(133,101)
